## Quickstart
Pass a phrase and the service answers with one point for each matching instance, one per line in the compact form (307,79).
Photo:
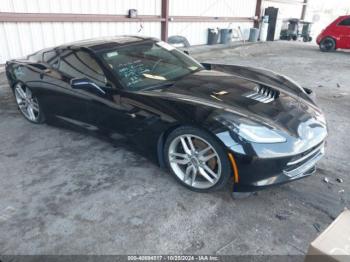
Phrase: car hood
(274,106)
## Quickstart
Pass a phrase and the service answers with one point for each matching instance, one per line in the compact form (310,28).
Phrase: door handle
(133,112)
(132,115)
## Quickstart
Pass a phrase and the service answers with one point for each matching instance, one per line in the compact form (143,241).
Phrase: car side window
(36,57)
(345,22)
(51,58)
(79,64)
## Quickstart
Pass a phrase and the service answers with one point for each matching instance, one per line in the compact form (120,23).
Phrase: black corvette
(207,123)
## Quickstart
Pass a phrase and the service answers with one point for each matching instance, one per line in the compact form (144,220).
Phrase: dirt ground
(64,192)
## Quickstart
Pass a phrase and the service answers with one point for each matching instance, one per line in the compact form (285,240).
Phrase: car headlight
(252,131)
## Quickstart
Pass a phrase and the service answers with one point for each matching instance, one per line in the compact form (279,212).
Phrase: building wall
(323,12)
(237,8)
(144,7)
(197,32)
(285,10)
(20,39)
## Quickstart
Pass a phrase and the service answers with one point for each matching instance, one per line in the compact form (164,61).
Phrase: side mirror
(186,52)
(85,83)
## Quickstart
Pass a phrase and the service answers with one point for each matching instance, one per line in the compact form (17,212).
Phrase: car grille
(304,162)
(263,94)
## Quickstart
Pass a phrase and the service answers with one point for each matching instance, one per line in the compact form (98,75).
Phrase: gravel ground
(64,192)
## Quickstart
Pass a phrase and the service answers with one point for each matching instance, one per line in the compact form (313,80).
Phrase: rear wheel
(327,44)
(196,159)
(306,38)
(28,104)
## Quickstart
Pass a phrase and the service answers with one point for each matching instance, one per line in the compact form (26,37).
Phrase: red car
(336,35)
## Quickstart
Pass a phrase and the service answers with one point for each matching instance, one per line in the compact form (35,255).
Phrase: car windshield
(143,65)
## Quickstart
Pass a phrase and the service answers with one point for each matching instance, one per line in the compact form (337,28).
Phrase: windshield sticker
(193,68)
(133,72)
(154,77)
(165,45)
(112,54)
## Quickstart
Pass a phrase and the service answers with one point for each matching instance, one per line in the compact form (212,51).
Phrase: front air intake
(263,94)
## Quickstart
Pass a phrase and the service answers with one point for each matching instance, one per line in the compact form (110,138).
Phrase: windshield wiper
(170,83)
(162,85)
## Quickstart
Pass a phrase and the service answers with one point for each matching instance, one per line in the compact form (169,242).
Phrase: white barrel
(263,31)
(253,35)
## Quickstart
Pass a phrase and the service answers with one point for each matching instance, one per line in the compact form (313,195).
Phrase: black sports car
(207,123)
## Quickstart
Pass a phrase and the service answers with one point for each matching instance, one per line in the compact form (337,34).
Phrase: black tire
(294,37)
(219,148)
(327,44)
(40,117)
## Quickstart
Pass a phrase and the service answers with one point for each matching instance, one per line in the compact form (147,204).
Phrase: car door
(59,98)
(344,33)
(73,103)
(127,114)
(96,105)
(122,111)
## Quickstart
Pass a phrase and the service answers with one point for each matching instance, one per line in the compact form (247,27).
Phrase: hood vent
(263,94)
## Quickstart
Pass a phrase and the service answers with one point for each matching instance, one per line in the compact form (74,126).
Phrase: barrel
(253,35)
(225,36)
(213,36)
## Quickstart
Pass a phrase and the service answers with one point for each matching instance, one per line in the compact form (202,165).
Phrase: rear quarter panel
(22,71)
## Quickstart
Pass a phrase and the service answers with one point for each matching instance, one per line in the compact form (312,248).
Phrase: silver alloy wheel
(27,103)
(194,161)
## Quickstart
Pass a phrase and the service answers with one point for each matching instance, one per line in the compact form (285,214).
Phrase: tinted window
(147,64)
(52,58)
(79,64)
(345,22)
(37,57)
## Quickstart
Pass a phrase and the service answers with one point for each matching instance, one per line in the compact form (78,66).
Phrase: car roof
(97,44)
(344,16)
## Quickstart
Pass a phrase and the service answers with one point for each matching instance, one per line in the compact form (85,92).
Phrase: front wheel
(196,159)
(28,104)
(327,44)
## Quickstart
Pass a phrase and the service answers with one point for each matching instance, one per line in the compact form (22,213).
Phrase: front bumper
(256,172)
(319,38)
